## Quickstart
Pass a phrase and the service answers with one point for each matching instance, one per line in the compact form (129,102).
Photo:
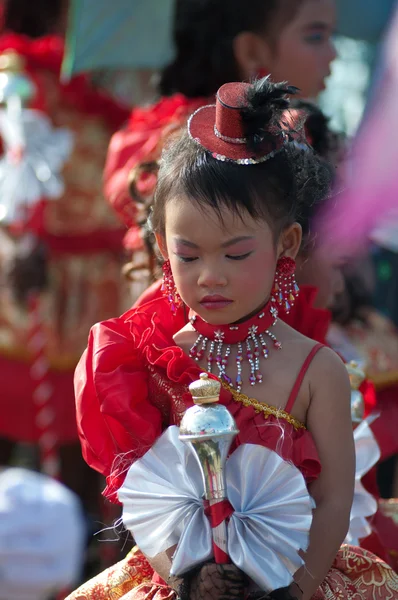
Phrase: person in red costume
(216,41)
(227,206)
(60,255)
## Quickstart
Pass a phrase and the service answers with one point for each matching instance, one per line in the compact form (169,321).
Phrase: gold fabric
(355,575)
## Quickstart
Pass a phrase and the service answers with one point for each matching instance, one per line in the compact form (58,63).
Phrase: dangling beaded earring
(169,289)
(285,290)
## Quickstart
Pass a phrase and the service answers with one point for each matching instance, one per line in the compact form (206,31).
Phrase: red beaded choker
(215,342)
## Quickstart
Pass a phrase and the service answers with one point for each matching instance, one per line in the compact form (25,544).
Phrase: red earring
(285,290)
(169,289)
(261,72)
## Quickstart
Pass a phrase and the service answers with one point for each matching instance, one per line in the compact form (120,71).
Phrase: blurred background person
(42,536)
(60,244)
(367,213)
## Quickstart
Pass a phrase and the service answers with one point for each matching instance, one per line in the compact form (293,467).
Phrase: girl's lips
(215,302)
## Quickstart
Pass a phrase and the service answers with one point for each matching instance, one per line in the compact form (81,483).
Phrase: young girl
(321,281)
(229,196)
(216,41)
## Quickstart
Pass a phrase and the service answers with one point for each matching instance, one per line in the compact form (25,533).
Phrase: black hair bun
(316,125)
(264,104)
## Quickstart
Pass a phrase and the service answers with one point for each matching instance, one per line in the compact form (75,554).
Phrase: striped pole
(42,392)
(219,513)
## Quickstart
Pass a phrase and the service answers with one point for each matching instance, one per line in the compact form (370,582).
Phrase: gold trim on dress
(262,407)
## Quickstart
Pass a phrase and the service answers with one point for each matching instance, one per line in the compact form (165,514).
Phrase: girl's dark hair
(327,144)
(280,190)
(323,139)
(204,32)
(32,18)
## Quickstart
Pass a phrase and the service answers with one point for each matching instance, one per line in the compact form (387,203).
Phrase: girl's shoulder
(329,367)
(325,365)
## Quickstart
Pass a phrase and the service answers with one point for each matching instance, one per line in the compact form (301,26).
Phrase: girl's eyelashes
(239,256)
(188,259)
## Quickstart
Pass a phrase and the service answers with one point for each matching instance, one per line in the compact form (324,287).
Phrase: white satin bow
(163,507)
(364,505)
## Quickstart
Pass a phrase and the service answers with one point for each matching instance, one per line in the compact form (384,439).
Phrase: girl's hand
(217,582)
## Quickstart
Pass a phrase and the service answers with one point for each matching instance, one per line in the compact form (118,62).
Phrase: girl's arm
(329,421)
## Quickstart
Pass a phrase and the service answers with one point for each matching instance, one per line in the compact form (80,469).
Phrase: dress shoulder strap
(297,384)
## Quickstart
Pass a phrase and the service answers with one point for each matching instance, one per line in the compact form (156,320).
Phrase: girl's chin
(215,315)
(225,316)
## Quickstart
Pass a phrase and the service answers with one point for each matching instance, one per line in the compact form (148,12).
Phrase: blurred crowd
(78,167)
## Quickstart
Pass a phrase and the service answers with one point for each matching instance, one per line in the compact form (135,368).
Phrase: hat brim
(201,129)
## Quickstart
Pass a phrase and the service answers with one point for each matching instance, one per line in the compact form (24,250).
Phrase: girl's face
(304,49)
(223,268)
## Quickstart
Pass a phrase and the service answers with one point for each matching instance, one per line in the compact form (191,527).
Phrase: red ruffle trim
(117,422)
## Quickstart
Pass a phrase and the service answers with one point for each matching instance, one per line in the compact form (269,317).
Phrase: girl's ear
(252,54)
(161,242)
(290,241)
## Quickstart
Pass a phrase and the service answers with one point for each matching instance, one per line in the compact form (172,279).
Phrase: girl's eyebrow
(242,238)
(319,25)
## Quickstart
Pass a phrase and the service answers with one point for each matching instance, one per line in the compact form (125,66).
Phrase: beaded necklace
(214,342)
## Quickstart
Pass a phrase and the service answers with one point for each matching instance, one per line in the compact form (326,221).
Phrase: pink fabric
(373,187)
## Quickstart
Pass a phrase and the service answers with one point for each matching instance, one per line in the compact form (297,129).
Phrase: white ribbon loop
(273,515)
(162,507)
(364,505)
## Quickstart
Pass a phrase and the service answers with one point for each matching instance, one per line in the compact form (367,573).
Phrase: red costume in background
(83,238)
(132,156)
(141,141)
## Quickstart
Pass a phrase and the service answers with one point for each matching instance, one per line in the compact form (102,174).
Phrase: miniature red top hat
(219,128)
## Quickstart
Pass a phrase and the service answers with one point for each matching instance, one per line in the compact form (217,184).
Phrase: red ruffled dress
(132,383)
(314,323)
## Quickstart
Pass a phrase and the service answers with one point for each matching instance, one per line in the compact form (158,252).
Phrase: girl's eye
(186,259)
(240,256)
(315,38)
